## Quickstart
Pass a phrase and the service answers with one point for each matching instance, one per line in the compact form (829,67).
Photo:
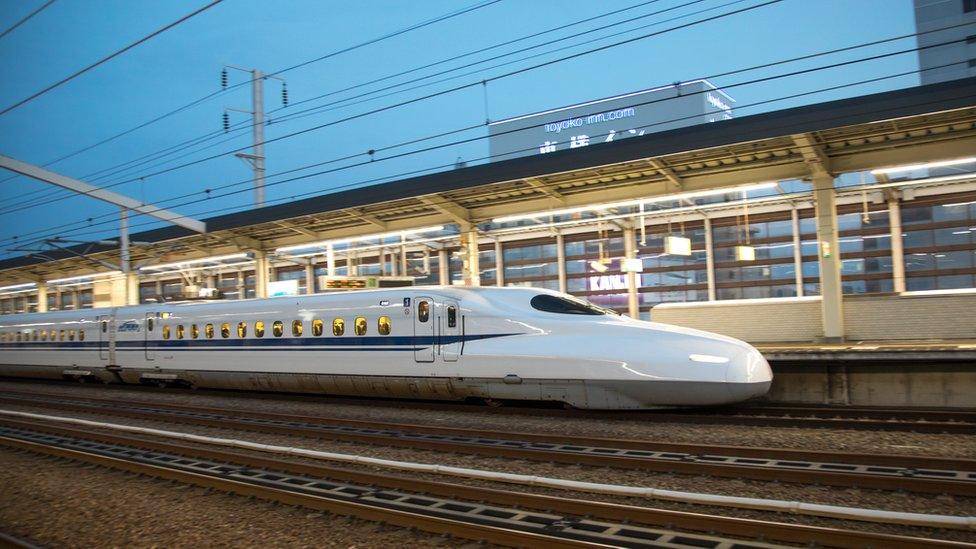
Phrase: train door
(106,338)
(149,332)
(423,329)
(449,324)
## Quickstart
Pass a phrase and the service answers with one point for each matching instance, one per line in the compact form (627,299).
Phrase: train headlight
(709,358)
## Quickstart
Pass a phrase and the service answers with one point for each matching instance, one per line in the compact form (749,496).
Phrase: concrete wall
(884,317)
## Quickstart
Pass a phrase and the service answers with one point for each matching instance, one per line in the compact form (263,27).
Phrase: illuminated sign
(603,283)
(282,287)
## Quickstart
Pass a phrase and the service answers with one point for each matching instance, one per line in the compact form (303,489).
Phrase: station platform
(929,349)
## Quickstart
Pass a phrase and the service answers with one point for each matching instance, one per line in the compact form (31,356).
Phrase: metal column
(471,270)
(561,260)
(257,99)
(330,260)
(403,256)
(260,274)
(310,278)
(499,264)
(897,245)
(41,297)
(443,268)
(832,306)
(797,252)
(709,260)
(630,252)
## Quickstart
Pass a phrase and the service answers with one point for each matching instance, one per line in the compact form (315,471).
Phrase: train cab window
(71,335)
(166,331)
(452,317)
(81,335)
(208,331)
(360,325)
(297,328)
(383,325)
(225,330)
(259,328)
(563,305)
(338,327)
(194,331)
(278,328)
(104,326)
(317,327)
(423,311)
(149,324)
(242,329)
(179,331)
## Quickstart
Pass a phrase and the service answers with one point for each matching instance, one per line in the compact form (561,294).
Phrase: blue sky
(184,64)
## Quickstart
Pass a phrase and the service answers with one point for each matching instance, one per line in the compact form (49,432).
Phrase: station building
(837,232)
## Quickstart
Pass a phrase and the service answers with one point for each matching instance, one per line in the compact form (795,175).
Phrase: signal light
(223,79)
(226,122)
(284,95)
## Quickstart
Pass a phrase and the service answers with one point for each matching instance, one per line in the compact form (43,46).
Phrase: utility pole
(256,158)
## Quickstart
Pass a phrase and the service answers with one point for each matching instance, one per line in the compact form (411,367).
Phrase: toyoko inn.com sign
(609,120)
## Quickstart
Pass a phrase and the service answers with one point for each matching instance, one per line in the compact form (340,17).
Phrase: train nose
(748,374)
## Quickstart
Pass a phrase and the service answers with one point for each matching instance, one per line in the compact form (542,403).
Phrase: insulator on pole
(226,122)
(223,79)
(284,94)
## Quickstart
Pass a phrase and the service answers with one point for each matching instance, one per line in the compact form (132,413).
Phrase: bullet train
(423,342)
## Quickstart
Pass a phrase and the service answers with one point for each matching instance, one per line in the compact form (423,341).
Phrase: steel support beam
(797,252)
(831,291)
(499,264)
(709,260)
(630,252)
(471,268)
(561,260)
(443,268)
(897,245)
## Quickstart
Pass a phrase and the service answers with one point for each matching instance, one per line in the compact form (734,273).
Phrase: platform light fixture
(201,268)
(745,253)
(638,202)
(598,266)
(913,167)
(677,245)
(17,288)
(79,278)
(403,233)
(180,264)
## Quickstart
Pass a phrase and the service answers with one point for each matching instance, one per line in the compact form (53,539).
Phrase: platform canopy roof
(918,124)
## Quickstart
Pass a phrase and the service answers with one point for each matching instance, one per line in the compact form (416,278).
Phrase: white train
(418,342)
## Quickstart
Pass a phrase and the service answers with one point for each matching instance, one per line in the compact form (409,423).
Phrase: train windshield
(564,305)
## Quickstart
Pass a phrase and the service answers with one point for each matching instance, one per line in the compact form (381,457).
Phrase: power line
(422,24)
(109,57)
(361,183)
(24,20)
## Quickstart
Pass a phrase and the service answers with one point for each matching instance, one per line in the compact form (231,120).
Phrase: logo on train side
(129,326)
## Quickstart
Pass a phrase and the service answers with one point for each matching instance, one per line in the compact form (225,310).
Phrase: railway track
(885,472)
(474,512)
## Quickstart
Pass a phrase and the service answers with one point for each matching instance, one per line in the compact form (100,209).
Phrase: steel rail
(682,520)
(907,475)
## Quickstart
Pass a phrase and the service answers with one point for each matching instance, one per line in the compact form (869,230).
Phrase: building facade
(939,63)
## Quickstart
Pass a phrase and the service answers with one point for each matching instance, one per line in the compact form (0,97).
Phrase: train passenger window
(242,329)
(225,330)
(259,328)
(104,326)
(278,328)
(18,336)
(71,335)
(194,331)
(297,328)
(338,327)
(423,311)
(149,324)
(452,316)
(179,331)
(34,335)
(360,325)
(208,331)
(61,335)
(166,331)
(383,325)
(43,335)
(81,335)
(317,327)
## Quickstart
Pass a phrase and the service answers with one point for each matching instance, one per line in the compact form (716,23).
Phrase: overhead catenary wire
(442,134)
(195,102)
(462,87)
(448,165)
(24,19)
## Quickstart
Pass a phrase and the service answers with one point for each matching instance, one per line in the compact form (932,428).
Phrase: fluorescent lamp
(912,167)
(598,266)
(221,266)
(23,286)
(406,232)
(745,253)
(84,277)
(677,245)
(637,202)
(189,262)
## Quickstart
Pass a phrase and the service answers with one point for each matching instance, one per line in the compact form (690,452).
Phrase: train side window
(242,329)
(297,327)
(81,335)
(166,331)
(43,335)
(360,325)
(452,316)
(423,311)
(71,335)
(338,327)
(104,326)
(317,327)
(149,324)
(225,330)
(34,335)
(208,331)
(19,336)
(62,334)
(194,331)
(259,328)
(383,325)
(278,328)
(179,331)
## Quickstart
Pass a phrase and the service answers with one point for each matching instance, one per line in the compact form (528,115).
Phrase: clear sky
(184,64)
